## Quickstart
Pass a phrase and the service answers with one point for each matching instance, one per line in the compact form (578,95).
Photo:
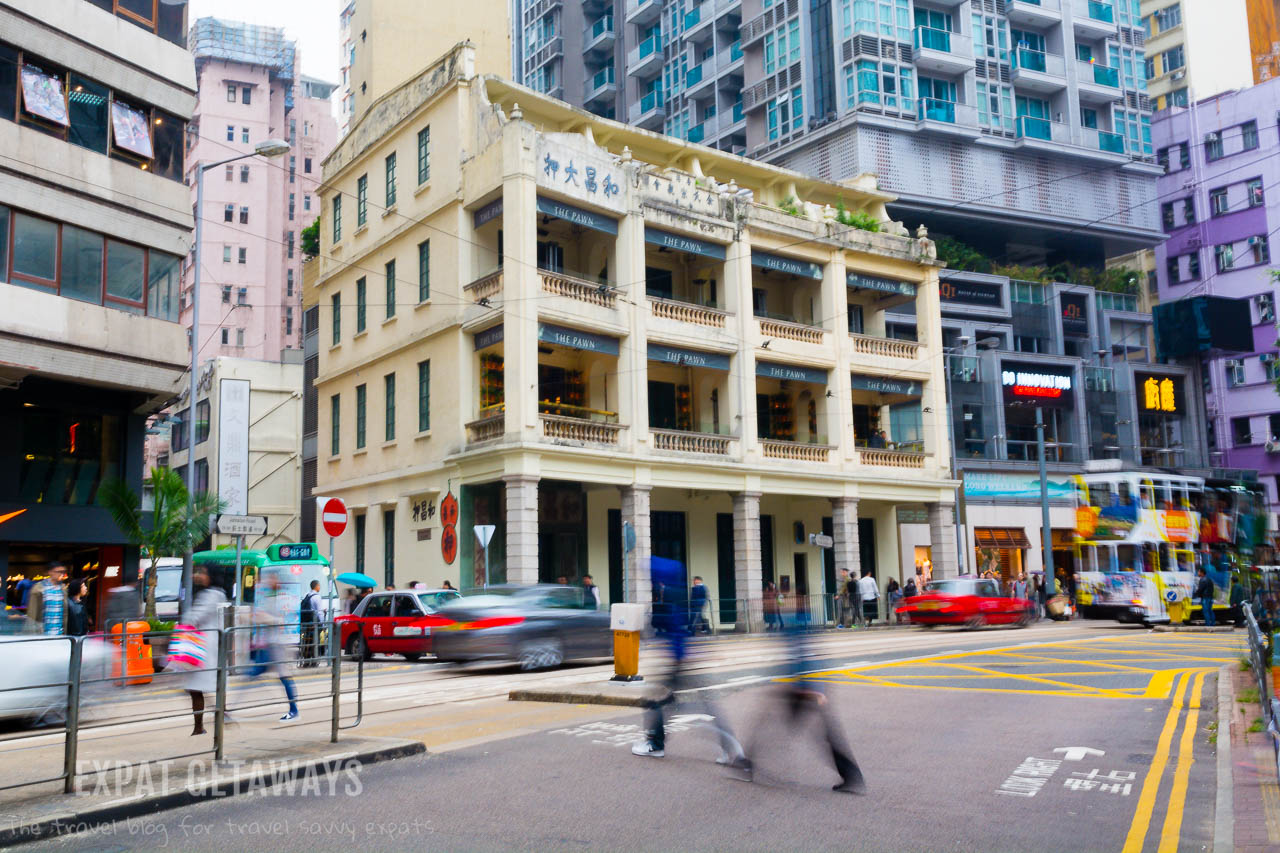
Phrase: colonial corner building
(612,345)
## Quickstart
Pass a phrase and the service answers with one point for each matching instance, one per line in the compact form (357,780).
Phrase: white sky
(314,23)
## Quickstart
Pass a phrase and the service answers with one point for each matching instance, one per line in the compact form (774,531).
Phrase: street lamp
(963,564)
(266,148)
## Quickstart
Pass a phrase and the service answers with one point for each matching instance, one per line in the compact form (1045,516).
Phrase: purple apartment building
(1220,207)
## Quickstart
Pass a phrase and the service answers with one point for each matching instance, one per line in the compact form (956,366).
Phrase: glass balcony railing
(737,112)
(600,79)
(648,46)
(693,77)
(735,51)
(928,37)
(600,27)
(1112,142)
(1104,76)
(696,133)
(1101,12)
(1031,60)
(651,101)
(691,19)
(1030,127)
(936,110)
(1117,301)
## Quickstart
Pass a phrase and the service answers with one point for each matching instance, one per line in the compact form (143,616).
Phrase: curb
(71,821)
(572,697)
(1224,804)
(1195,629)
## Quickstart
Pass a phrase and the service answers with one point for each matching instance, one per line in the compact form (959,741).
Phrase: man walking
(590,593)
(697,607)
(870,595)
(1204,592)
(842,599)
(47,605)
(310,619)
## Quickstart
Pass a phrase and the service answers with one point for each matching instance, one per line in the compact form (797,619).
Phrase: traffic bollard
(627,624)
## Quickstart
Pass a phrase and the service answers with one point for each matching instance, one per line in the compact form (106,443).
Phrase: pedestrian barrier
(57,678)
(1260,657)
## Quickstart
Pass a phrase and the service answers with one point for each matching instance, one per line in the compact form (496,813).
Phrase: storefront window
(66,455)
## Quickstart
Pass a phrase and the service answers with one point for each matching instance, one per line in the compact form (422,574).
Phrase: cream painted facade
(275,442)
(616,327)
(388,42)
(1195,50)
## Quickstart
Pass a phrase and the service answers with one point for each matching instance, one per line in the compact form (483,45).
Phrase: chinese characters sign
(233,445)
(571,166)
(1159,394)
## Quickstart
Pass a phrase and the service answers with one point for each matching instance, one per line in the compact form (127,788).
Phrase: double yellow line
(1136,839)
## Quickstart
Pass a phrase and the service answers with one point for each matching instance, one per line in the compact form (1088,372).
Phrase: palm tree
(171,530)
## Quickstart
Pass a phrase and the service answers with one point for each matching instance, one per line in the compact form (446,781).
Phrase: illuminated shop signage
(1159,394)
(1033,383)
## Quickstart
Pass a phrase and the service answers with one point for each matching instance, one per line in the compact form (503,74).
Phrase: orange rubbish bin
(131,658)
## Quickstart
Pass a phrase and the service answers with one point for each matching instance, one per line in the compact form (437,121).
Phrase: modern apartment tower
(1031,116)
(250,90)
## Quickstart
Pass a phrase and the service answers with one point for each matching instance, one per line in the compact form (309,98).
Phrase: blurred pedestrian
(310,617)
(192,653)
(772,599)
(446,585)
(893,595)
(1237,600)
(910,590)
(590,593)
(77,614)
(1020,586)
(47,603)
(697,607)
(268,652)
(842,598)
(672,616)
(870,594)
(1204,592)
(798,696)
(350,601)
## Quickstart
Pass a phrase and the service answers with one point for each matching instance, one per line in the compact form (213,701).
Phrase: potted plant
(159,633)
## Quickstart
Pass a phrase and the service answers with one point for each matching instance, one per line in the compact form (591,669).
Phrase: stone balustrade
(575,288)
(891,458)
(790,331)
(690,442)
(486,429)
(686,312)
(888,347)
(795,451)
(578,429)
(486,287)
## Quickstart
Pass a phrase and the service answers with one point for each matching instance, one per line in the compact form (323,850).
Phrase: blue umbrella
(357,579)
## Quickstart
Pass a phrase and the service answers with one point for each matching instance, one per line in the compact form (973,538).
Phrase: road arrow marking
(1078,753)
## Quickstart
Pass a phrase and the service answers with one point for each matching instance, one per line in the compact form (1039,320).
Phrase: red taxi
(970,602)
(394,623)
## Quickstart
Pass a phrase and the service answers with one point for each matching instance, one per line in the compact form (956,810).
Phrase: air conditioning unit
(1178,75)
(1255,240)
(1271,446)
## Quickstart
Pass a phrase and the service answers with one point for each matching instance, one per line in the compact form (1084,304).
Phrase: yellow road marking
(1151,785)
(1101,691)
(1082,662)
(1178,795)
(1073,694)
(1162,683)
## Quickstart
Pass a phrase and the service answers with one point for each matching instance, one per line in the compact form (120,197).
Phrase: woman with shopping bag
(193,645)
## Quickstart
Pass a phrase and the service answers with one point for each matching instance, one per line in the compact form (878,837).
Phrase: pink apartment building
(250,90)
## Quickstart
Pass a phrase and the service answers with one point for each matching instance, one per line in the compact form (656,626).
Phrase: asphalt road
(961,742)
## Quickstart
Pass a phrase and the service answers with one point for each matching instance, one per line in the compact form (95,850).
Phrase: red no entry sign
(334,517)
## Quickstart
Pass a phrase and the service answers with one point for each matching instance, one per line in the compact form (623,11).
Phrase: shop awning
(578,215)
(575,339)
(792,372)
(1000,537)
(688,357)
(489,337)
(883,285)
(881,385)
(791,266)
(488,213)
(684,244)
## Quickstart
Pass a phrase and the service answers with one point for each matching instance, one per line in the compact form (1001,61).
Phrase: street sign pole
(239,552)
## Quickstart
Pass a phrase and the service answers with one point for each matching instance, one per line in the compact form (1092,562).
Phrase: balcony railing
(891,458)
(686,312)
(599,28)
(933,109)
(562,428)
(1112,142)
(690,442)
(693,76)
(593,293)
(692,18)
(486,429)
(791,331)
(1101,12)
(599,80)
(1031,127)
(1100,74)
(932,39)
(486,287)
(1116,301)
(697,133)
(887,347)
(648,46)
(738,114)
(794,451)
(735,51)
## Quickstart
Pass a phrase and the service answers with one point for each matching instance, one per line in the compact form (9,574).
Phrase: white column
(748,570)
(637,585)
(633,359)
(520,287)
(942,539)
(522,528)
(844,530)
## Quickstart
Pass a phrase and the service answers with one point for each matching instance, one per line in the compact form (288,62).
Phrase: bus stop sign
(334,517)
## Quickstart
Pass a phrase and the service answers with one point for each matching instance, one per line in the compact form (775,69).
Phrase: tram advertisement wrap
(1125,523)
(1152,592)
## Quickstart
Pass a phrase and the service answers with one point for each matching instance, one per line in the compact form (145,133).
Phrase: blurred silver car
(33,678)
(537,626)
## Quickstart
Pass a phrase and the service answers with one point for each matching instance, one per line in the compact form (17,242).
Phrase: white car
(33,678)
